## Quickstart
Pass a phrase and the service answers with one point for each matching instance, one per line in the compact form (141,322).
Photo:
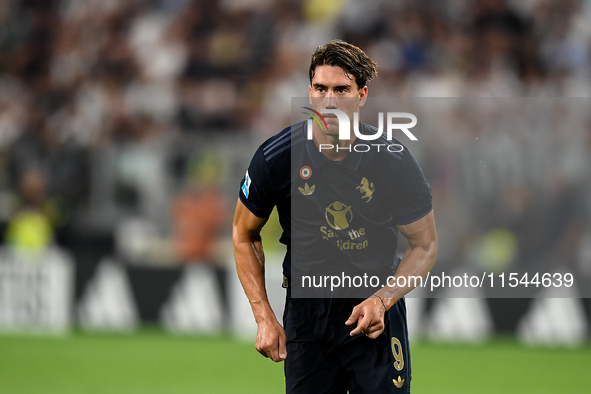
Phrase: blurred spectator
(199,212)
(32,227)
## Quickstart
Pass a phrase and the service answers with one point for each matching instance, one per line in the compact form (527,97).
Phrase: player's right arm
(250,264)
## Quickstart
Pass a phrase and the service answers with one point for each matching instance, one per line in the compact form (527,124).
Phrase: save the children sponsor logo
(339,217)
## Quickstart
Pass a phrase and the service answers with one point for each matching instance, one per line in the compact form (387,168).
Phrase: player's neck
(332,147)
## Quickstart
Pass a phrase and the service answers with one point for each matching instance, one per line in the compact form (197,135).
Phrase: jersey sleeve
(412,198)
(256,188)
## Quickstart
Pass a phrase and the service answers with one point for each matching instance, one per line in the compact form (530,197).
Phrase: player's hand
(271,340)
(369,316)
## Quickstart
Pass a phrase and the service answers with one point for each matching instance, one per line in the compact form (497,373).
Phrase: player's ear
(362,96)
(310,94)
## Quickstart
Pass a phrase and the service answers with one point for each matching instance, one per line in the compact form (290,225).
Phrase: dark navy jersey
(336,212)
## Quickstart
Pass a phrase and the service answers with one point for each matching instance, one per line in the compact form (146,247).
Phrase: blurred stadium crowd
(80,78)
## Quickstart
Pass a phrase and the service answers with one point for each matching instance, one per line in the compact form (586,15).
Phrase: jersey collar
(351,161)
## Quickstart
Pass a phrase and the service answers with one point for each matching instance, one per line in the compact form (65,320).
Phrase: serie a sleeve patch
(246,185)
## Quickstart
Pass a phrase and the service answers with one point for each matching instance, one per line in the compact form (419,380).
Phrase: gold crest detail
(307,190)
(398,383)
(367,189)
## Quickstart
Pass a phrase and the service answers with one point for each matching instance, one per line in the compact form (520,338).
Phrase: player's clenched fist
(271,341)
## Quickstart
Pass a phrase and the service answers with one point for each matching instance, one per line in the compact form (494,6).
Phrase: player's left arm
(418,260)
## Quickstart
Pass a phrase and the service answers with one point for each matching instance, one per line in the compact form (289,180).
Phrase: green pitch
(154,362)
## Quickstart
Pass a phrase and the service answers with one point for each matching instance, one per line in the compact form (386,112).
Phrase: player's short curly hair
(346,56)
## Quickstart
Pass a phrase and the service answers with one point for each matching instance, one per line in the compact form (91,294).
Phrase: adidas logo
(307,190)
(398,383)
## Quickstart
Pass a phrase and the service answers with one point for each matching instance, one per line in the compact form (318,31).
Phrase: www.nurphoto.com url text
(441,280)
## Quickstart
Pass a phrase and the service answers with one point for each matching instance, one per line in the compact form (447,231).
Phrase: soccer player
(335,345)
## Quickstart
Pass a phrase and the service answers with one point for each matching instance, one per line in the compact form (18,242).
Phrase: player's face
(333,88)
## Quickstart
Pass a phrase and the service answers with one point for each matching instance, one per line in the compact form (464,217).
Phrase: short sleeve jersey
(336,211)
